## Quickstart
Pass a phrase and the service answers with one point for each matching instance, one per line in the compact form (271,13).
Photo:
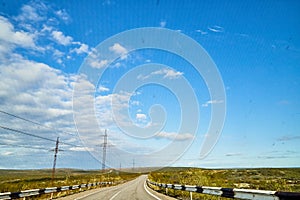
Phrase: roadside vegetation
(18,180)
(280,179)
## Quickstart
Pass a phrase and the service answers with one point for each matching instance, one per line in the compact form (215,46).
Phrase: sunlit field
(17,180)
(278,179)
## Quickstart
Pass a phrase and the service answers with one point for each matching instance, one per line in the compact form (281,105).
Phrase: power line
(34,122)
(24,146)
(36,136)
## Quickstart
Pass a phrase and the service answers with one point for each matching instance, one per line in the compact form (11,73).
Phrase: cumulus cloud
(174,136)
(40,89)
(163,24)
(140,117)
(60,38)
(84,48)
(169,73)
(98,64)
(62,14)
(9,36)
(165,72)
(119,50)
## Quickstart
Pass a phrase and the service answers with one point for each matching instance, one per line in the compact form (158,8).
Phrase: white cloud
(98,63)
(119,50)
(170,73)
(81,149)
(174,136)
(84,48)
(39,87)
(166,72)
(140,117)
(60,38)
(101,88)
(117,65)
(62,14)
(30,13)
(7,153)
(202,32)
(8,36)
(162,24)
(212,102)
(216,29)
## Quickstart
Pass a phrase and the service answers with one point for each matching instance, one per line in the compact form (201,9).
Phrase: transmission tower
(104,151)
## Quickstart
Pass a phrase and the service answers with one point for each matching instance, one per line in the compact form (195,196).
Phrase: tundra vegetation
(18,180)
(278,179)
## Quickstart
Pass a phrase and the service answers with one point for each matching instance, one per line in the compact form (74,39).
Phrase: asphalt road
(132,190)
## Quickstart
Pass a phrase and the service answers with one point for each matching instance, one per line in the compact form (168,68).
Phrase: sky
(173,83)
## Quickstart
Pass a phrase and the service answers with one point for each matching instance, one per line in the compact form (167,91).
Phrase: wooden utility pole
(133,163)
(55,156)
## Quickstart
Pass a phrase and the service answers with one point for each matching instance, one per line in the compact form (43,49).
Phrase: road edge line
(145,187)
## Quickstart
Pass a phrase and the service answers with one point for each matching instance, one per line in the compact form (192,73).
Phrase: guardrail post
(166,191)
(191,195)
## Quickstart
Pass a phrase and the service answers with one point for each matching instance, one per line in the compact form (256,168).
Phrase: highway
(133,190)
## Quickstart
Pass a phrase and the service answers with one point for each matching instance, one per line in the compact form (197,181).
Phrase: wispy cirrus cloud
(201,31)
(21,32)
(216,29)
(174,135)
(63,15)
(101,88)
(289,138)
(233,154)
(212,102)
(32,12)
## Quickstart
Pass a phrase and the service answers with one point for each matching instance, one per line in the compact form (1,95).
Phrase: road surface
(132,190)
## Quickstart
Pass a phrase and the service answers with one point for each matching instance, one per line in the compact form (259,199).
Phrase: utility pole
(55,156)
(133,163)
(104,151)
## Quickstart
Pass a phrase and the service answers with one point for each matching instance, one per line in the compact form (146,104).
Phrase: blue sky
(51,55)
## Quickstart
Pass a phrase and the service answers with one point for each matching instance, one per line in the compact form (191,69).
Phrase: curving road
(133,190)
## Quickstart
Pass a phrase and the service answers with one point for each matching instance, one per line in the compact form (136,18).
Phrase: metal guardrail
(232,192)
(35,192)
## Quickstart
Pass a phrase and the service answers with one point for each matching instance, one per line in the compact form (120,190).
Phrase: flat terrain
(17,180)
(280,179)
(131,185)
